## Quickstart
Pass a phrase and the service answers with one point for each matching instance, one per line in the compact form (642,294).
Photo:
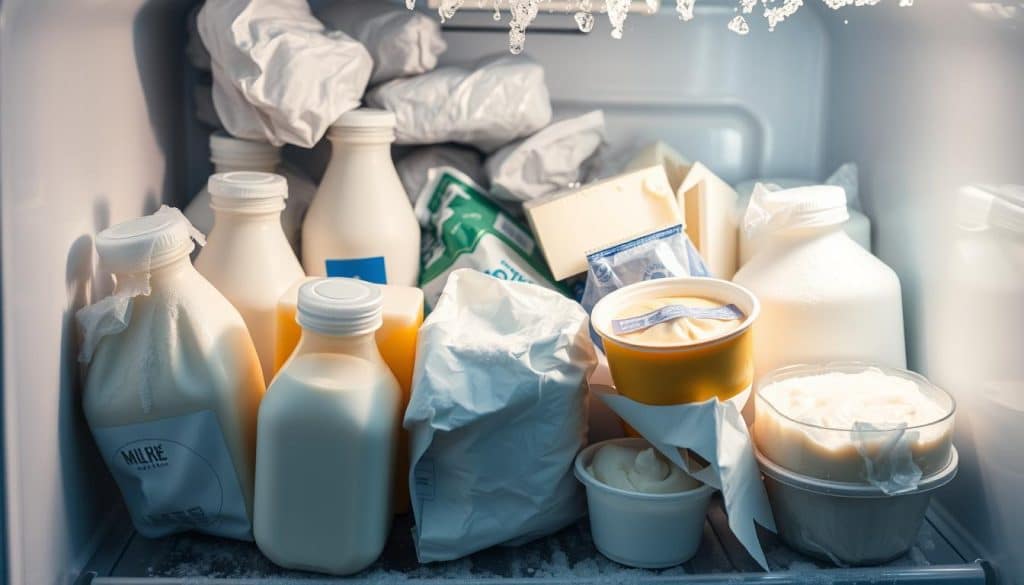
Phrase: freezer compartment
(566,557)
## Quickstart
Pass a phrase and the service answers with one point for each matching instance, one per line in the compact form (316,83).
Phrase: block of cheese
(659,153)
(709,205)
(569,224)
(396,340)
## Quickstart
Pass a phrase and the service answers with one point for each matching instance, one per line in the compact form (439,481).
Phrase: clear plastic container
(797,426)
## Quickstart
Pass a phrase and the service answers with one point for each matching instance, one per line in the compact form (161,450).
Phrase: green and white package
(464,229)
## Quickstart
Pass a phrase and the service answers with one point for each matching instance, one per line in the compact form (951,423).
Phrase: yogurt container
(644,530)
(682,361)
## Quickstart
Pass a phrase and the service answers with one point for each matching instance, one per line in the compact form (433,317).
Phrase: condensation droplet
(748,5)
(585,21)
(906,3)
(739,25)
(497,10)
(652,6)
(618,10)
(779,13)
(684,8)
(410,4)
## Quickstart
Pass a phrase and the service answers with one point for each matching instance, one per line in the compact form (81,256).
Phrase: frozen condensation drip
(618,10)
(523,14)
(748,5)
(447,8)
(584,18)
(684,8)
(777,14)
(739,25)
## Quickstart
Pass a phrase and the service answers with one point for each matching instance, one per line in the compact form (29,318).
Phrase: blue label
(368,269)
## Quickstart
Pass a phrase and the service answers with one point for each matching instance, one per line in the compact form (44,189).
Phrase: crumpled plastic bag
(497,416)
(503,99)
(402,42)
(550,160)
(278,75)
(413,167)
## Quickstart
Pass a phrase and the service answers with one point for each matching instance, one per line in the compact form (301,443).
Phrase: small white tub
(848,523)
(648,531)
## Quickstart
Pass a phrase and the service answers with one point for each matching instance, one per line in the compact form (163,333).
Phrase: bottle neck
(798,234)
(241,165)
(154,277)
(237,216)
(363,345)
(365,143)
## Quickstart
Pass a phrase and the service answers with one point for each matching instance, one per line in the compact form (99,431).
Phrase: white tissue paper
(497,416)
(413,167)
(503,99)
(278,76)
(402,42)
(716,432)
(550,160)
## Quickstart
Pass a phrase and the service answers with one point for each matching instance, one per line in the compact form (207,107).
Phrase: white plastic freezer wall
(96,128)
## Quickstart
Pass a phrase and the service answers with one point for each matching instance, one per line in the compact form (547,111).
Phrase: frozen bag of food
(467,230)
(497,416)
(278,75)
(550,160)
(502,99)
(661,254)
(402,42)
(413,167)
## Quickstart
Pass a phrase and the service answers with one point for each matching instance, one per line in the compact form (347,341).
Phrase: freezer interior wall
(96,128)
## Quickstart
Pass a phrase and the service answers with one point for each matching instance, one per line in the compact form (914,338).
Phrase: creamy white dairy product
(638,470)
(173,384)
(328,434)
(247,256)
(361,220)
(826,424)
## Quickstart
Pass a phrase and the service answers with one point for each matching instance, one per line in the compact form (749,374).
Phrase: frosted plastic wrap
(413,167)
(402,42)
(497,416)
(550,160)
(278,75)
(501,100)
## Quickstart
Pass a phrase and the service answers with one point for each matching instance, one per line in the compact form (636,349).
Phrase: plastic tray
(567,557)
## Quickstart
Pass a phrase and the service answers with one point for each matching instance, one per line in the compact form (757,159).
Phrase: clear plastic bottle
(228,154)
(173,384)
(247,256)
(327,438)
(823,297)
(361,216)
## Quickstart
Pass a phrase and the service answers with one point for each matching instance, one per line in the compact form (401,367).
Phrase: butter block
(569,224)
(659,153)
(709,205)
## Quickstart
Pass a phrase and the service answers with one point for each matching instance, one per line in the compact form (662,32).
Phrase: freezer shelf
(566,557)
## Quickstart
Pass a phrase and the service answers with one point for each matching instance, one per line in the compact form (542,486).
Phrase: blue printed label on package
(368,269)
(670,312)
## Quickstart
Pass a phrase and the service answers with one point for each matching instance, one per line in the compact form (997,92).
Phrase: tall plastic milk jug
(361,222)
(327,437)
(823,297)
(247,256)
(173,384)
(228,154)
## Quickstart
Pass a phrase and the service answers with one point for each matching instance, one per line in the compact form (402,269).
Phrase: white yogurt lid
(144,243)
(340,306)
(247,190)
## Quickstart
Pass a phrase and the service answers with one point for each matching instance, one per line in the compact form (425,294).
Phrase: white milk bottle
(247,256)
(823,297)
(173,384)
(361,221)
(228,154)
(327,437)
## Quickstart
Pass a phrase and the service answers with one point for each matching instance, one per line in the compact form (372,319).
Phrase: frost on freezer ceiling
(523,12)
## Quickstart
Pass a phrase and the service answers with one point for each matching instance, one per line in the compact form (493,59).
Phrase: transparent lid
(248,190)
(144,243)
(340,306)
(226,149)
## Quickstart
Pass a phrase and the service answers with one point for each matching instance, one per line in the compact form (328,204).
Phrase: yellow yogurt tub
(683,360)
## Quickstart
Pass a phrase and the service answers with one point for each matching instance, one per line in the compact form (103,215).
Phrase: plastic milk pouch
(497,416)
(661,254)
(173,384)
(466,230)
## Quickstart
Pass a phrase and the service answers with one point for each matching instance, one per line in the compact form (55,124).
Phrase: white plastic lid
(366,118)
(340,306)
(249,190)
(226,149)
(144,243)
(774,208)
(983,206)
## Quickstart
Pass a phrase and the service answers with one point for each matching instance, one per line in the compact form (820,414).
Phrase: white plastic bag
(550,160)
(402,42)
(413,167)
(504,99)
(278,76)
(497,416)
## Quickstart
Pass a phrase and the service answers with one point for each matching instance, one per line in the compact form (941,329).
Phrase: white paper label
(175,475)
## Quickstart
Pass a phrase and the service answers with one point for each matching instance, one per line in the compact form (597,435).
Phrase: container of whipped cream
(678,340)
(644,511)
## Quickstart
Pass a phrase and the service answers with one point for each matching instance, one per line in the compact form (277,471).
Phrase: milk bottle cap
(228,150)
(145,243)
(340,306)
(773,208)
(248,190)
